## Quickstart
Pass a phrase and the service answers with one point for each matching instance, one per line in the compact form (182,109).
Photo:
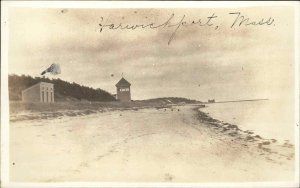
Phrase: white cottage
(40,92)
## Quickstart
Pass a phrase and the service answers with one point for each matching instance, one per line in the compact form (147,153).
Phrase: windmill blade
(53,69)
(44,72)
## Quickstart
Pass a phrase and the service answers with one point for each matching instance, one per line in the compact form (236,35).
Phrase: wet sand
(176,144)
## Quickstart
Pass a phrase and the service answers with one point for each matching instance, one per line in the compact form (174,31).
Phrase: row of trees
(62,89)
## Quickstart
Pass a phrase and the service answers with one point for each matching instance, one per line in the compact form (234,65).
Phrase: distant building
(123,90)
(211,101)
(40,92)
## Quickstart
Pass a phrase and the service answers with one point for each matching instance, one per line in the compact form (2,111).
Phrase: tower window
(124,89)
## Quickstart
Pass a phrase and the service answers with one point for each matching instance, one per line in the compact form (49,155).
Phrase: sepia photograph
(142,94)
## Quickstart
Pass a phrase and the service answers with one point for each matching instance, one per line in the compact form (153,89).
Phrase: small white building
(40,92)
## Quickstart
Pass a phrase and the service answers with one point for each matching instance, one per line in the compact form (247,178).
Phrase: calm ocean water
(267,118)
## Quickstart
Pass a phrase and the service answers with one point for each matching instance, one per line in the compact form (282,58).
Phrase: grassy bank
(28,111)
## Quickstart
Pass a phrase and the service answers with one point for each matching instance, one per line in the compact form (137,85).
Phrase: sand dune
(177,144)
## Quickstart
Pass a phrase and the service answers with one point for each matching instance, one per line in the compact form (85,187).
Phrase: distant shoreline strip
(236,101)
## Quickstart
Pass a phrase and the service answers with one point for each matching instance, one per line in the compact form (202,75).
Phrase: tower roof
(123,83)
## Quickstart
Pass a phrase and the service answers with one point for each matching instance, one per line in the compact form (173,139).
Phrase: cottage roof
(123,83)
(36,85)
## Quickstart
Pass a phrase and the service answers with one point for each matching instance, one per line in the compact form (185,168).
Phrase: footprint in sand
(168,177)
(83,164)
(112,151)
(99,157)
(177,153)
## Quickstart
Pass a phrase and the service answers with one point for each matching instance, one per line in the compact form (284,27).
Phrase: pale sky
(200,63)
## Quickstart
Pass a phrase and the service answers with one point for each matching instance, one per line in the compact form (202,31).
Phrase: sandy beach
(168,144)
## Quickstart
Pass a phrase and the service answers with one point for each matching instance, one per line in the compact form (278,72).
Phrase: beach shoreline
(234,131)
(166,134)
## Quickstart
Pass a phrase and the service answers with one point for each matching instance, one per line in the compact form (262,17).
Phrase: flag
(53,69)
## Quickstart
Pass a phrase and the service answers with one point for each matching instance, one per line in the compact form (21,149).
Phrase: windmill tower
(123,90)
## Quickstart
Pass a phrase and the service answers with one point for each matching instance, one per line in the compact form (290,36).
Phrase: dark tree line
(62,89)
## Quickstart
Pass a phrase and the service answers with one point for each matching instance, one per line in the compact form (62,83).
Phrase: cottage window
(42,96)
